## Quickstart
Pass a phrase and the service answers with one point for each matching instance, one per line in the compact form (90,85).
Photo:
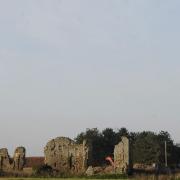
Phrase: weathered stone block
(90,171)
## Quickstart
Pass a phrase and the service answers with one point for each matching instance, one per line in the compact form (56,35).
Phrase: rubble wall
(12,164)
(122,156)
(64,155)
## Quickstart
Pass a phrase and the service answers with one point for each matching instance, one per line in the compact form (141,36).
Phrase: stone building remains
(65,156)
(12,164)
(122,156)
(19,158)
(5,163)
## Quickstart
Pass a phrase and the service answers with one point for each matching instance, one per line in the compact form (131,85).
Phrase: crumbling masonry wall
(15,164)
(122,156)
(5,163)
(19,158)
(64,155)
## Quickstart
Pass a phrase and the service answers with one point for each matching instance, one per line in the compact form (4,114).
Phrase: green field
(48,179)
(45,179)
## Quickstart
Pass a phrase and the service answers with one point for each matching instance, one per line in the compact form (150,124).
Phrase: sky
(68,65)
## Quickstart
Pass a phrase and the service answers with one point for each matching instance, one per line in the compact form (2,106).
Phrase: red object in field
(110,160)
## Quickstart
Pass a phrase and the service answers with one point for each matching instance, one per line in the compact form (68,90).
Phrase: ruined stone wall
(122,156)
(15,164)
(5,163)
(19,158)
(64,155)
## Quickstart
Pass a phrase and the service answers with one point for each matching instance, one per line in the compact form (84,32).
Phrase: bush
(43,171)
(1,173)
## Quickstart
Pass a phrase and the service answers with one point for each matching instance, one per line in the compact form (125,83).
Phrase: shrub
(1,173)
(43,171)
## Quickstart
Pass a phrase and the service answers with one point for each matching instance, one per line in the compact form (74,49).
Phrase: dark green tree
(146,148)
(163,137)
(121,132)
(109,141)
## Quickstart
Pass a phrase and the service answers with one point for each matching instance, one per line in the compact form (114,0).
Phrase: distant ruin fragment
(19,158)
(15,164)
(122,156)
(64,155)
(5,163)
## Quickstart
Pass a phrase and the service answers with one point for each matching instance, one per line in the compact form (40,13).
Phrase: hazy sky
(68,65)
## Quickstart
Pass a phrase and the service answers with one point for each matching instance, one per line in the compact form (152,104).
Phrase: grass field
(145,178)
(137,178)
(141,178)
(49,179)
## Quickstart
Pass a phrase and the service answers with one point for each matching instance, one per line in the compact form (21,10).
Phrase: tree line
(146,147)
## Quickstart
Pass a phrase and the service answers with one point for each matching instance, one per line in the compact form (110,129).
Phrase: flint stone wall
(19,158)
(122,156)
(4,159)
(15,164)
(64,155)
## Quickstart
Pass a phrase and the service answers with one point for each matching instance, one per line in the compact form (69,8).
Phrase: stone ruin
(19,158)
(5,163)
(122,156)
(122,160)
(65,156)
(12,164)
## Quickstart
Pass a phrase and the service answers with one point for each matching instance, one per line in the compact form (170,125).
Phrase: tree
(163,137)
(146,148)
(121,132)
(109,141)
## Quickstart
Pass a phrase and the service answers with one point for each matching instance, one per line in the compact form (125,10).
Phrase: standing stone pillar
(122,156)
(19,158)
(4,160)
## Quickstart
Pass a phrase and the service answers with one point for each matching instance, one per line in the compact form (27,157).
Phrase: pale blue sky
(68,65)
